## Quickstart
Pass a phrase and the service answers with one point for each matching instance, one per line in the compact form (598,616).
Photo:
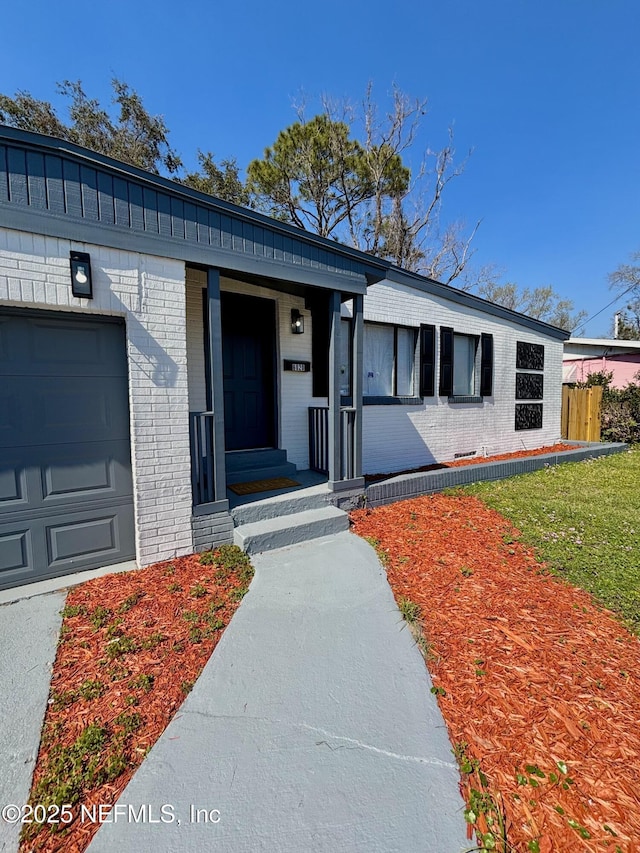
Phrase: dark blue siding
(72,193)
(55,184)
(177,218)
(89,188)
(190,225)
(45,179)
(106,207)
(36,180)
(121,202)
(136,207)
(150,211)
(164,215)
(4,174)
(17,167)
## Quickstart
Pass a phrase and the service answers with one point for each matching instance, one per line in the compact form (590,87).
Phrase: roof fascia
(469,300)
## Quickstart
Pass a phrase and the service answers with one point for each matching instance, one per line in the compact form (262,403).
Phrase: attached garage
(66,493)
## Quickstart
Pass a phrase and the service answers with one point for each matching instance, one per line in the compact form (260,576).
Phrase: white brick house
(118,408)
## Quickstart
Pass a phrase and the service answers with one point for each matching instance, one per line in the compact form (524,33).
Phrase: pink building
(583,356)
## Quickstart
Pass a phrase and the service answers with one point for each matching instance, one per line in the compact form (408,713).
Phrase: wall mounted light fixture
(297,322)
(81,284)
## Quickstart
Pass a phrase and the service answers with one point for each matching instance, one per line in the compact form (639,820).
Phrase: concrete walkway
(312,727)
(28,639)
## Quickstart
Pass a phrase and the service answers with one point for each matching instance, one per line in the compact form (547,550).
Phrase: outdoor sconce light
(297,322)
(81,275)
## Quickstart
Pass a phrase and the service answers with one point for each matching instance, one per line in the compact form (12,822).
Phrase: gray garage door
(66,497)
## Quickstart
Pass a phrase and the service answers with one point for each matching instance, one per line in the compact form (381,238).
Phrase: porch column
(215,382)
(335,445)
(357,347)
(345,428)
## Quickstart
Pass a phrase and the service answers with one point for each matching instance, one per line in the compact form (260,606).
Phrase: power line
(597,314)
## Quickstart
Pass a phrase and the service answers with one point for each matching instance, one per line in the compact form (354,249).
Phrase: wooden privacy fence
(581,413)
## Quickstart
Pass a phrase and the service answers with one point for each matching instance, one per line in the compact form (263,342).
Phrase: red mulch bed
(539,686)
(131,647)
(476,460)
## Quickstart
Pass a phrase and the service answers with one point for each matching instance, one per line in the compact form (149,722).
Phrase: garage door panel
(52,477)
(73,479)
(13,488)
(71,409)
(64,412)
(82,538)
(15,550)
(56,411)
(90,472)
(60,345)
(89,538)
(51,545)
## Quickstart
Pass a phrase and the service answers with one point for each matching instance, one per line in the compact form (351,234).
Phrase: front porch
(252,381)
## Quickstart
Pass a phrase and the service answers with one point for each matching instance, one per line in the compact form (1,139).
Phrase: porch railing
(319,440)
(203,458)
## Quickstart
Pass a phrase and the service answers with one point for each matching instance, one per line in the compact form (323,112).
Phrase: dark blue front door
(248,356)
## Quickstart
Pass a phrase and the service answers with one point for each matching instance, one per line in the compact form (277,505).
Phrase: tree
(626,280)
(317,177)
(361,192)
(134,136)
(221,180)
(405,225)
(542,303)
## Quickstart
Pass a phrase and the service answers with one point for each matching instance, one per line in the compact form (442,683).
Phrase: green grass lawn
(583,518)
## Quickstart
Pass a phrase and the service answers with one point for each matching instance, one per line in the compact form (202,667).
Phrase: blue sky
(546,92)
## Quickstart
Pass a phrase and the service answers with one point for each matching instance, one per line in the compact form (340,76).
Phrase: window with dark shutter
(427,361)
(486,366)
(446,362)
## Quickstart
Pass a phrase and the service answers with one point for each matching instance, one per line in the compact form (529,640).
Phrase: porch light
(297,322)
(81,284)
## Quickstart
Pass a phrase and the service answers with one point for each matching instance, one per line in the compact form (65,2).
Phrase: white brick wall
(397,437)
(149,292)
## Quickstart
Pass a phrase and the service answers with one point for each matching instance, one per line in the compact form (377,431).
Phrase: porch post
(357,346)
(334,390)
(215,380)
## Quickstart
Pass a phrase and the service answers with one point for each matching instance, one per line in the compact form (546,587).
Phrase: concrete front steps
(287,518)
(272,533)
(243,466)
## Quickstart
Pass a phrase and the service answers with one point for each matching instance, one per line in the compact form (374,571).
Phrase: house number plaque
(297,366)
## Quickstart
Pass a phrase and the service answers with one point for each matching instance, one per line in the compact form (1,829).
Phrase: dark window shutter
(486,366)
(320,345)
(446,361)
(427,361)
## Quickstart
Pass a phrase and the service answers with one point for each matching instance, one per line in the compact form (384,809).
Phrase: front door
(248,357)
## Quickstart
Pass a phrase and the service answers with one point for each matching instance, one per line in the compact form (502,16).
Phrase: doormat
(262,485)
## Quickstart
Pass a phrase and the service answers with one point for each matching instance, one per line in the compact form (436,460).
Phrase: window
(464,365)
(389,360)
(461,376)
